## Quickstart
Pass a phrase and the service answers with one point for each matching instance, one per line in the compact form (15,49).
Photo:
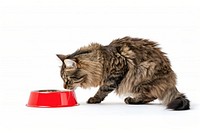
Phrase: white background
(32,32)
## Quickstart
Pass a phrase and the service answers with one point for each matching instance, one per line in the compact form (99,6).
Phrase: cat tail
(176,100)
(179,103)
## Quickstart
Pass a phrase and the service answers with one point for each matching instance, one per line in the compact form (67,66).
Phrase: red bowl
(52,98)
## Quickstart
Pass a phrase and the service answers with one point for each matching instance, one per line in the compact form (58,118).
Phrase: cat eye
(75,78)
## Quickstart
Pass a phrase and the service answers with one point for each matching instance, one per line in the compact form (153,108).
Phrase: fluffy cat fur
(133,67)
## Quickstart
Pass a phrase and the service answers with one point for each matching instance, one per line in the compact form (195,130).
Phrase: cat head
(83,68)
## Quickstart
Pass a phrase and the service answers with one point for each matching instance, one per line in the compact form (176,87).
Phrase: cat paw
(128,100)
(93,100)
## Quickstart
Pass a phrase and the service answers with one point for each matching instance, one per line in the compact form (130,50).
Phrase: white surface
(32,32)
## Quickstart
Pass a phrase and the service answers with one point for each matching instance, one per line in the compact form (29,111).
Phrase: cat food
(48,90)
(52,98)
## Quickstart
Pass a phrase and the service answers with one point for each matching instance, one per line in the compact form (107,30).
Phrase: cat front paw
(93,100)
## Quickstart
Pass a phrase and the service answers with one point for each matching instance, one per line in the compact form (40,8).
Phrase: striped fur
(133,67)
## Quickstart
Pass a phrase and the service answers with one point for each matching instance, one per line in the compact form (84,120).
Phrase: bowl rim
(51,91)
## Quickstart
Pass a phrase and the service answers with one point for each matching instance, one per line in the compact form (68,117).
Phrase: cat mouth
(68,87)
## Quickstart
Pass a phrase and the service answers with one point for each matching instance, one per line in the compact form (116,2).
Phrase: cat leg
(100,95)
(138,99)
(141,94)
(162,88)
(110,84)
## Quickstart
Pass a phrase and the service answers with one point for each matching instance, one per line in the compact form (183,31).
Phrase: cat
(133,67)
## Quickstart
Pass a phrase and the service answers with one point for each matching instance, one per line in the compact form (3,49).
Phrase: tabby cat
(133,67)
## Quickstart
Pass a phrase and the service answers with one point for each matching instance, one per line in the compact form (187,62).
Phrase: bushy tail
(179,103)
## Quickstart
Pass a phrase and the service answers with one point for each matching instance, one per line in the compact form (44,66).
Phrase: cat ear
(70,63)
(61,57)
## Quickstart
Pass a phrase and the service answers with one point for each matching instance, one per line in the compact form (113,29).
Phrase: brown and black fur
(133,67)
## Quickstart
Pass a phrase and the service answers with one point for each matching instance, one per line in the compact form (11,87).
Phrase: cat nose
(68,87)
(65,85)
